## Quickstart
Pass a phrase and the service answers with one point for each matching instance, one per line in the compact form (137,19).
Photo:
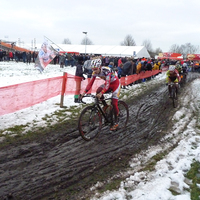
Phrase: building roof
(135,51)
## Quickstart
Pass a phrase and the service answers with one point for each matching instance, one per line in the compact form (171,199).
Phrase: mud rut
(61,165)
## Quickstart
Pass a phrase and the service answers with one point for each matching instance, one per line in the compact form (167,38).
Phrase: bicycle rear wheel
(123,114)
(89,123)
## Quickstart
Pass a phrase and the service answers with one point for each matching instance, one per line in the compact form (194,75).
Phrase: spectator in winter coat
(119,61)
(10,54)
(120,70)
(78,78)
(127,67)
(62,60)
(139,67)
(28,58)
(149,66)
(156,66)
(111,65)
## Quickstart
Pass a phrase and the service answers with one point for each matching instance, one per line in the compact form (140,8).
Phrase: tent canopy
(136,51)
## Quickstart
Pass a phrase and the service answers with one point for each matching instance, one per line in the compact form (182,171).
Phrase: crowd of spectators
(123,65)
(26,57)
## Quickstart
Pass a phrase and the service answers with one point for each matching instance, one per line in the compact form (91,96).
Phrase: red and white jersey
(107,74)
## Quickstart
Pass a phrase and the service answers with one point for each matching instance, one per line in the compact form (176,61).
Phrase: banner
(46,54)
(169,55)
(193,56)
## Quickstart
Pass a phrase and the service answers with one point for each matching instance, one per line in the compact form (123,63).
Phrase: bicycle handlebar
(91,95)
(94,97)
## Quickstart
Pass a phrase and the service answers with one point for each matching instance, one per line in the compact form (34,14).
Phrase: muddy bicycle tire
(89,123)
(123,114)
(174,97)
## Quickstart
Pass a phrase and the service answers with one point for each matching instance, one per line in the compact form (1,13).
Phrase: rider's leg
(115,97)
(169,87)
(102,97)
(116,114)
(176,84)
(116,109)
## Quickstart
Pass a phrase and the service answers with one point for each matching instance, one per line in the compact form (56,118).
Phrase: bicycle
(90,120)
(183,77)
(173,94)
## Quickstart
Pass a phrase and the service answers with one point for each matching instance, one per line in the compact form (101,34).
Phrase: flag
(46,54)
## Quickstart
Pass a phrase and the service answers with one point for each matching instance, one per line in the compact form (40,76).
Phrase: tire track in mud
(50,168)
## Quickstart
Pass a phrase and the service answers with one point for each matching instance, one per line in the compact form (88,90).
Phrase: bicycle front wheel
(123,114)
(89,123)
(174,97)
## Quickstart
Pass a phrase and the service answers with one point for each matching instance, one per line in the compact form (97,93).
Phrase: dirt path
(61,165)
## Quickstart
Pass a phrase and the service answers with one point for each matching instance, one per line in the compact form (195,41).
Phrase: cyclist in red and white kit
(111,84)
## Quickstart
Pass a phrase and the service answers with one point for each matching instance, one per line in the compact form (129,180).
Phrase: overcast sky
(107,22)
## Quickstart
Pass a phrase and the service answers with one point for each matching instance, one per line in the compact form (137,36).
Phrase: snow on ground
(140,185)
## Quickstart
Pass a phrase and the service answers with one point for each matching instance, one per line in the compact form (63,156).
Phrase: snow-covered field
(140,185)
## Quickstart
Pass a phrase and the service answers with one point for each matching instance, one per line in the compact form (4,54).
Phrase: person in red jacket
(111,84)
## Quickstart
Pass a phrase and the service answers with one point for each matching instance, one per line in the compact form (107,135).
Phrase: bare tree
(128,41)
(148,45)
(66,41)
(175,48)
(158,50)
(86,41)
(184,49)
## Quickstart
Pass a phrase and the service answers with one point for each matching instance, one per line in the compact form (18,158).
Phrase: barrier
(24,95)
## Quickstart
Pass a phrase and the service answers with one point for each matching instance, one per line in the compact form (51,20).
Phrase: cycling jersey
(110,77)
(175,77)
(179,68)
(184,69)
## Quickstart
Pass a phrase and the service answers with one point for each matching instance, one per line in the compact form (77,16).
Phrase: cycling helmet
(171,68)
(184,65)
(96,63)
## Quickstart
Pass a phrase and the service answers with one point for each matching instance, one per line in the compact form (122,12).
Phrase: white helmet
(96,63)
(184,65)
(171,68)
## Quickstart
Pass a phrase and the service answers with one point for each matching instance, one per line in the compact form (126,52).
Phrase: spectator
(111,65)
(107,60)
(120,71)
(1,55)
(79,77)
(62,60)
(128,67)
(24,56)
(29,58)
(139,67)
(10,55)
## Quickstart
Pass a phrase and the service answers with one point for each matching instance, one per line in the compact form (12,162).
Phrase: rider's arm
(88,87)
(167,76)
(177,75)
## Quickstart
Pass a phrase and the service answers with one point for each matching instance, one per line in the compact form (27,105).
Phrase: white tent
(135,51)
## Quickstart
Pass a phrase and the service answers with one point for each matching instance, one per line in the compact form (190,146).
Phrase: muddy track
(61,165)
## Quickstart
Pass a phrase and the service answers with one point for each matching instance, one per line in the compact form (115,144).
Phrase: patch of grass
(183,116)
(18,129)
(194,175)
(174,192)
(151,165)
(112,185)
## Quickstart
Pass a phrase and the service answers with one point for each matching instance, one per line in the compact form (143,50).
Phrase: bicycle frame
(90,119)
(97,103)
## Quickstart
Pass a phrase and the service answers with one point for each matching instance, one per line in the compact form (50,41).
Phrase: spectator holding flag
(45,56)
